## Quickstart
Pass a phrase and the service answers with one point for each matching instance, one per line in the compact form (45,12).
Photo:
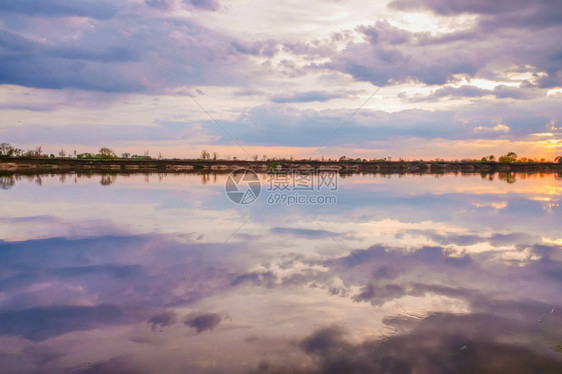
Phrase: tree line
(105,153)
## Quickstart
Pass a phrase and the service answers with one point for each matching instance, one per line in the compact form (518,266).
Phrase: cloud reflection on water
(92,278)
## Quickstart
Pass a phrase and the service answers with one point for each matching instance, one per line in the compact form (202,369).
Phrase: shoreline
(12,165)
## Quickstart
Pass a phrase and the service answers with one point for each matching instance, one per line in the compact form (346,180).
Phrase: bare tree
(6,149)
(62,153)
(160,156)
(255,157)
(215,155)
(106,152)
(125,155)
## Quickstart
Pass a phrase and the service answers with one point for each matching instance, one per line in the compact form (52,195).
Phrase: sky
(413,79)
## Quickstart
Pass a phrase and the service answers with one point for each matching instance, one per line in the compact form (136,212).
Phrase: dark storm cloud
(202,321)
(43,323)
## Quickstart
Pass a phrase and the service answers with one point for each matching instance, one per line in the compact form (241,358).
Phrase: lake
(384,274)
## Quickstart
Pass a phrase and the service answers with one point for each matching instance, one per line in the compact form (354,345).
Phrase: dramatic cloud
(501,92)
(440,343)
(43,323)
(202,321)
(459,253)
(124,365)
(473,65)
(305,97)
(162,320)
(53,8)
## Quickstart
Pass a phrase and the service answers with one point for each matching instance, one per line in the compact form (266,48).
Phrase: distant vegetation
(104,153)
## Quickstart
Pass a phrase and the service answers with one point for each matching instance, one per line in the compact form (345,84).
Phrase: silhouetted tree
(508,158)
(6,150)
(106,152)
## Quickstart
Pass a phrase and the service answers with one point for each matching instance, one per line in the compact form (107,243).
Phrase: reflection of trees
(205,178)
(487,175)
(7,182)
(508,177)
(107,180)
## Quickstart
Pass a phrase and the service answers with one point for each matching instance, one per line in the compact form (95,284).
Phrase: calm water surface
(163,274)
